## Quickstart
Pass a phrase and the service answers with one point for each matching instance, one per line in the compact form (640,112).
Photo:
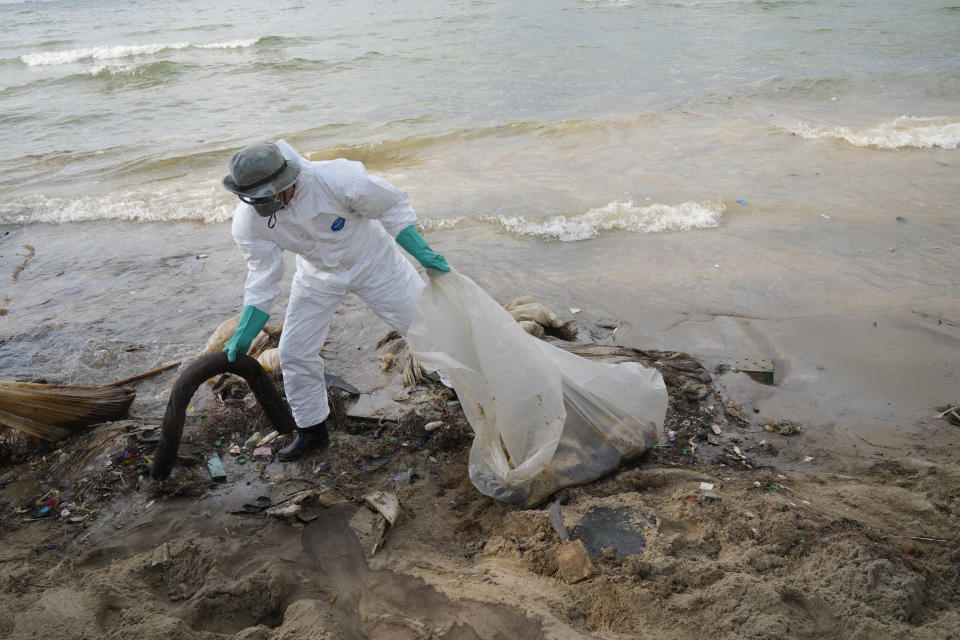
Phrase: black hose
(188,383)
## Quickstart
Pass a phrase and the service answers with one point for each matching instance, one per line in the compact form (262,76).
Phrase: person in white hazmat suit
(344,225)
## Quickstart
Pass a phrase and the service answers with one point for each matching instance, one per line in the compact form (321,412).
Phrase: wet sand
(857,542)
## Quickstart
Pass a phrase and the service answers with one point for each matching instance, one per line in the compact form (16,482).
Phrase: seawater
(743,157)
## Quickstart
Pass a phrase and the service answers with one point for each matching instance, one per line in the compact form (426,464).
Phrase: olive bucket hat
(260,170)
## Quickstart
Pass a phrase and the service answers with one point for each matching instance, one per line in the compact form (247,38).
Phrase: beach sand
(846,527)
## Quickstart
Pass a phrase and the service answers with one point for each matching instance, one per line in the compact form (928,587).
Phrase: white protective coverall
(341,223)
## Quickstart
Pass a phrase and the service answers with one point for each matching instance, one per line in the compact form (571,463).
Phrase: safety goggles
(265,207)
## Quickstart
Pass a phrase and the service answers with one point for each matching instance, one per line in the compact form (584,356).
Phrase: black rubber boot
(307,439)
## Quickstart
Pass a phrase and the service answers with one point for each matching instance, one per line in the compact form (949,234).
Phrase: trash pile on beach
(704,529)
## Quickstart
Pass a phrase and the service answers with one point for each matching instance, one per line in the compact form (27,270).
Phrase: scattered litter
(432,426)
(716,429)
(901,219)
(252,440)
(267,439)
(823,215)
(387,505)
(783,427)
(258,506)
(951,414)
(706,486)
(215,467)
(235,450)
(575,310)
(741,202)
(402,476)
(808,459)
(263,452)
(386,361)
(556,519)
(201,256)
(374,463)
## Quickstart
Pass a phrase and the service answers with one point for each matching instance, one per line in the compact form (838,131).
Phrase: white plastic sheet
(544,418)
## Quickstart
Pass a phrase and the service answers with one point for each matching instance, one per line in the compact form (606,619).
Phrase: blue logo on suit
(338,224)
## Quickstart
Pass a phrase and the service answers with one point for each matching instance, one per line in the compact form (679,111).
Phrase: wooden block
(574,563)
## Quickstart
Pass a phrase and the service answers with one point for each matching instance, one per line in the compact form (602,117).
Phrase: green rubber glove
(251,321)
(416,246)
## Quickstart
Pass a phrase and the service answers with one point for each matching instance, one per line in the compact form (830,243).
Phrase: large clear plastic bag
(544,419)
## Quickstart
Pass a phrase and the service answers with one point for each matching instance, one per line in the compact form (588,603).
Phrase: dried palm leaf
(53,412)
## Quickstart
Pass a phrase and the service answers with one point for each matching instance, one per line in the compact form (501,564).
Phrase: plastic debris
(252,440)
(823,215)
(402,476)
(556,519)
(387,505)
(267,439)
(432,426)
(215,467)
(374,463)
(901,219)
(741,202)
(706,486)
(263,452)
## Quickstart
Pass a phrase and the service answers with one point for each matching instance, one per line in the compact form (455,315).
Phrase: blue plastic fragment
(44,511)
(741,202)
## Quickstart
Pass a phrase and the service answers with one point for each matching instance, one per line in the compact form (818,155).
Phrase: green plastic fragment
(215,467)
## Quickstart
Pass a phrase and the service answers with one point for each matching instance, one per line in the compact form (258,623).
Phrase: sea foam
(902,133)
(615,216)
(124,51)
(207,204)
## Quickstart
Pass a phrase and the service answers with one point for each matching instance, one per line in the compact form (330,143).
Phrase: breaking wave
(615,216)
(124,51)
(901,133)
(207,205)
